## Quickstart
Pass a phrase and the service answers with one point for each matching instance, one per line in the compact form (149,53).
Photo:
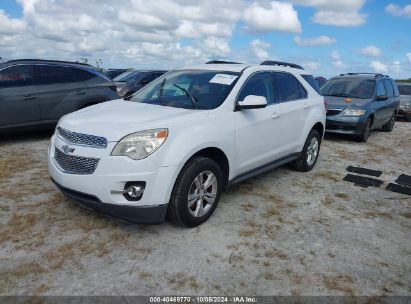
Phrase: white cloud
(345,13)
(378,67)
(344,19)
(370,51)
(260,48)
(396,66)
(277,16)
(217,46)
(311,65)
(321,40)
(336,60)
(10,25)
(408,56)
(397,10)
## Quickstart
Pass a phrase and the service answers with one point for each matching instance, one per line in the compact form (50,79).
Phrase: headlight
(353,112)
(141,144)
(405,106)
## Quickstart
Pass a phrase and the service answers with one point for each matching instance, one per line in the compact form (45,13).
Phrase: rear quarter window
(389,88)
(288,87)
(312,82)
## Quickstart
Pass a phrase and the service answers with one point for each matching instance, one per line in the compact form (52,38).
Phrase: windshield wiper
(161,91)
(192,97)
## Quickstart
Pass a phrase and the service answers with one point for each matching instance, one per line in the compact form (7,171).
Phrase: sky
(326,37)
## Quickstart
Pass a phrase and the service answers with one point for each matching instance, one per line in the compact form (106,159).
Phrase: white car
(171,148)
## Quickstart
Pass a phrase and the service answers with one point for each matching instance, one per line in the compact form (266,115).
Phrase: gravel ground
(281,233)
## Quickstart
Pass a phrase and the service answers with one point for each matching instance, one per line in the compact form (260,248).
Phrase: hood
(334,102)
(118,118)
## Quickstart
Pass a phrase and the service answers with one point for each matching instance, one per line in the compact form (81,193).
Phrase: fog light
(133,191)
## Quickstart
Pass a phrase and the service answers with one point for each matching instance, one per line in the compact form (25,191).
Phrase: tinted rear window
(310,79)
(83,75)
(404,89)
(15,76)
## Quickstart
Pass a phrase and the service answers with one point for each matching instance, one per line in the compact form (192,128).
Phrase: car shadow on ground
(26,136)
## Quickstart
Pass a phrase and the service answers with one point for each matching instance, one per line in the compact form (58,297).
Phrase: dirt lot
(278,234)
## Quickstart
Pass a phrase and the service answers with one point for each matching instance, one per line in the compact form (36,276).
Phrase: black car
(321,81)
(113,73)
(405,100)
(359,102)
(36,93)
(134,81)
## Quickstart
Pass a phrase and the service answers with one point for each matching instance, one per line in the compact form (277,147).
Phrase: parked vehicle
(405,100)
(360,102)
(320,81)
(134,81)
(36,93)
(112,73)
(179,141)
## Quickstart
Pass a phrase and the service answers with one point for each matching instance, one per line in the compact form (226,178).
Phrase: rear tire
(366,132)
(196,193)
(389,126)
(310,152)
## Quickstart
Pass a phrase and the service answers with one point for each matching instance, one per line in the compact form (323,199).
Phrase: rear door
(292,105)
(379,106)
(392,101)
(18,103)
(58,91)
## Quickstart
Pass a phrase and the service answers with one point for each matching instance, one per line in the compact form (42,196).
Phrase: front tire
(196,193)
(366,131)
(389,126)
(310,152)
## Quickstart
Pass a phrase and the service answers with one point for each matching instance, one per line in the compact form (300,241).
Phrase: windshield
(404,89)
(349,87)
(190,89)
(124,75)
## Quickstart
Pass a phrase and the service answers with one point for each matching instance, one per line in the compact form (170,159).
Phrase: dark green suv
(360,102)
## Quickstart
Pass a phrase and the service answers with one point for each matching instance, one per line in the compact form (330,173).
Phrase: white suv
(171,148)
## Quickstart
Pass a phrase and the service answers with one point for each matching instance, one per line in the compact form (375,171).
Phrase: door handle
(79,93)
(275,115)
(29,97)
(306,105)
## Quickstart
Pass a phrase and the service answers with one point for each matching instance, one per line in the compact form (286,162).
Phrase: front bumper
(345,125)
(140,215)
(112,173)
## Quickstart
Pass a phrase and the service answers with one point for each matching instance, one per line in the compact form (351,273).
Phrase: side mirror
(253,102)
(381,97)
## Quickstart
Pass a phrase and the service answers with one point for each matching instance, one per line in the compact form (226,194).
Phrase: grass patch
(330,175)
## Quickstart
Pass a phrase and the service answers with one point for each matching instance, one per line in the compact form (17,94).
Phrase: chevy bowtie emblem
(67,149)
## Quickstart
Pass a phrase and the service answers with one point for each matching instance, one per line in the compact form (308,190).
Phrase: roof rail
(50,60)
(281,63)
(375,74)
(221,62)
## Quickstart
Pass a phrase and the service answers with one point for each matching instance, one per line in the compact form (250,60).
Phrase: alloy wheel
(202,193)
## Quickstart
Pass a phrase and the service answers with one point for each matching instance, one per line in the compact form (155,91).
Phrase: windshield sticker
(223,79)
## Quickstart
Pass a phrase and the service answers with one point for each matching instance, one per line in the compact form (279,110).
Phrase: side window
(16,76)
(396,91)
(259,84)
(83,75)
(288,87)
(48,74)
(380,89)
(389,88)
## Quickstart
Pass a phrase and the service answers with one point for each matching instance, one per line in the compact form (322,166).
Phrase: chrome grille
(75,164)
(82,139)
